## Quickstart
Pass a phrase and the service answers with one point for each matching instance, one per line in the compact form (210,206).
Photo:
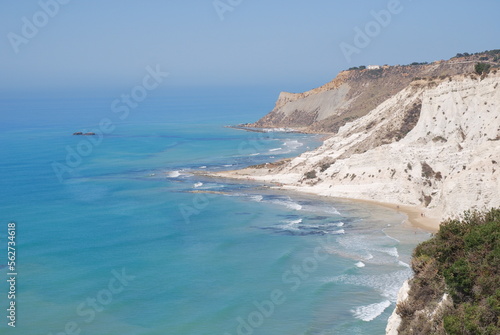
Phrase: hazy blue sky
(291,44)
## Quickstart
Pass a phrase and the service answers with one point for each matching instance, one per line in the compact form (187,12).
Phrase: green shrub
(427,171)
(482,68)
(362,67)
(460,278)
(310,174)
(466,253)
(325,165)
(405,309)
(452,324)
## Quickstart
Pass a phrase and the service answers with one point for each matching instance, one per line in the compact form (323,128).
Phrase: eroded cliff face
(353,94)
(431,142)
(427,319)
(435,144)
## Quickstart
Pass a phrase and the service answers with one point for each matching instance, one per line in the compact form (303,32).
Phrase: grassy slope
(462,260)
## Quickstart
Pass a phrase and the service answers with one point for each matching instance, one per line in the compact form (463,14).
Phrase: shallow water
(242,260)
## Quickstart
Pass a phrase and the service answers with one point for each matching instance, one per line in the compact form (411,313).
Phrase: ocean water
(117,235)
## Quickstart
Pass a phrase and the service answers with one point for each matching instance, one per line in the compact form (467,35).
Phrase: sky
(288,45)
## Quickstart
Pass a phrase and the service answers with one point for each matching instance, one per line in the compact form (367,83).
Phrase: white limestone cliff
(434,145)
(447,162)
(395,320)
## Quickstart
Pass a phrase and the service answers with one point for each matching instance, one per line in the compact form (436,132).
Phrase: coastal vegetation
(311,174)
(456,287)
(362,67)
(487,53)
(482,68)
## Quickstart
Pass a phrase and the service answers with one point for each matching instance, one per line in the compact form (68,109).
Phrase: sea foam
(386,284)
(173,174)
(257,198)
(287,203)
(370,312)
(293,144)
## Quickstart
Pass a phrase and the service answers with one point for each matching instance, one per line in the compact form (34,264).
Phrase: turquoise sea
(116,235)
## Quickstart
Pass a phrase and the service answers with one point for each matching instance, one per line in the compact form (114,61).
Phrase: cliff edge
(357,91)
(434,145)
(426,136)
(455,289)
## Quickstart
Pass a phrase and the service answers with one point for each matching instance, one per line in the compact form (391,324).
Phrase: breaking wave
(371,312)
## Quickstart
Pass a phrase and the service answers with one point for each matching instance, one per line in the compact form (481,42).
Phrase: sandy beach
(415,215)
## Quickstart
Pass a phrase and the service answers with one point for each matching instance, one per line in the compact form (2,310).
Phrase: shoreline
(413,214)
(299,130)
